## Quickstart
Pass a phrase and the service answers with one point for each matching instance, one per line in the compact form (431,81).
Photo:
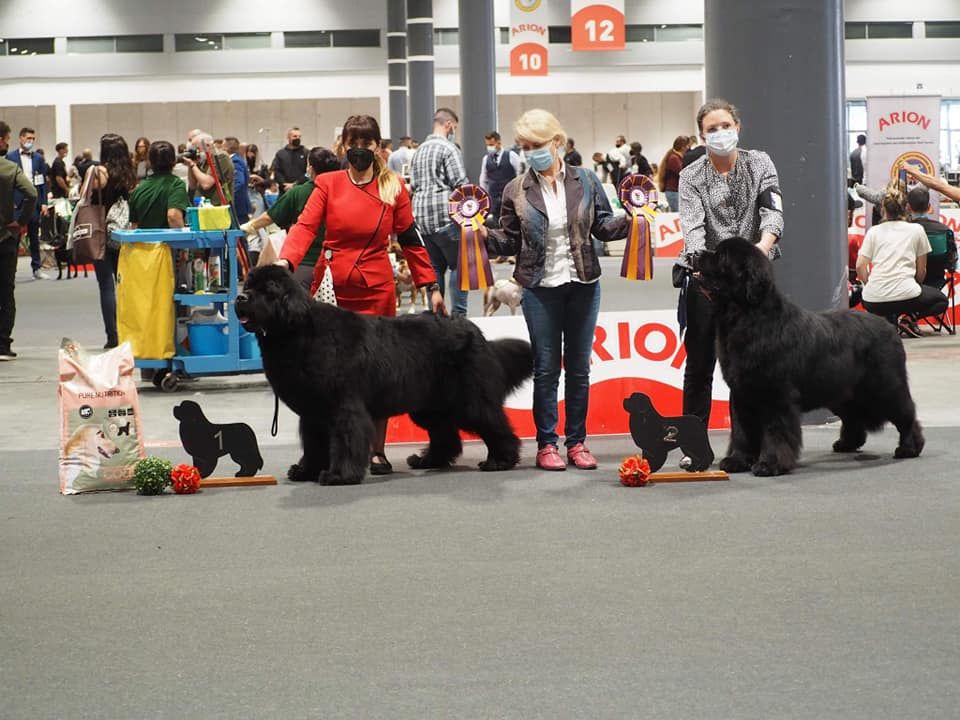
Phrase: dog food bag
(100,431)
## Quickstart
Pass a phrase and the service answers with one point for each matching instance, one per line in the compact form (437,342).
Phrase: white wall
(38,117)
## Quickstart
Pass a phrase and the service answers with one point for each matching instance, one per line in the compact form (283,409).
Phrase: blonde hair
(387,181)
(894,202)
(538,127)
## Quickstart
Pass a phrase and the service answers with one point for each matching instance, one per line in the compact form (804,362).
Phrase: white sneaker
(686,462)
(40,275)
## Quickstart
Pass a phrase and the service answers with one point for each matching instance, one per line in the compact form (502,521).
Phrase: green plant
(151,475)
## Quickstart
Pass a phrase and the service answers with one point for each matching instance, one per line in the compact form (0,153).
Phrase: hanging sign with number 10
(597,25)
(528,37)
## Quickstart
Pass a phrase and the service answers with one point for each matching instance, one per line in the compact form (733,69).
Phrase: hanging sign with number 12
(597,25)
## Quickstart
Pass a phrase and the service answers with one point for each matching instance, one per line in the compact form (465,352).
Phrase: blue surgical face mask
(722,142)
(540,159)
(28,146)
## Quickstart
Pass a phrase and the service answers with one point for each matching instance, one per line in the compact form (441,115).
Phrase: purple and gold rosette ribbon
(639,197)
(468,207)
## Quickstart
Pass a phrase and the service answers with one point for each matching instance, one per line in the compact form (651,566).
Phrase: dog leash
(275,425)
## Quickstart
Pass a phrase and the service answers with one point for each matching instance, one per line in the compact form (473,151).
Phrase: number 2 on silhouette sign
(606,31)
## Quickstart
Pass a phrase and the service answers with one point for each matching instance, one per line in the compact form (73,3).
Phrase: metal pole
(478,80)
(420,68)
(397,68)
(781,62)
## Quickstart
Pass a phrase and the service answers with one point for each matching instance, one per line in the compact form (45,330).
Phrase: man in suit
(13,182)
(857,158)
(36,170)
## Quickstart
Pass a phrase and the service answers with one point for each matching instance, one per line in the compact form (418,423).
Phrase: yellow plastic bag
(145,309)
(214,218)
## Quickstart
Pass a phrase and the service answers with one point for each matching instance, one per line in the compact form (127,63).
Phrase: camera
(189,154)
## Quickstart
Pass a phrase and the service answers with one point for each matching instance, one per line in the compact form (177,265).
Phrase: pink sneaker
(548,458)
(581,457)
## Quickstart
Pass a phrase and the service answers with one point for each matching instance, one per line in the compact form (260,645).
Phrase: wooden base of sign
(684,476)
(216,482)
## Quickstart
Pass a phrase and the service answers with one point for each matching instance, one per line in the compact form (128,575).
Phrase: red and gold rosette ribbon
(634,471)
(468,207)
(639,196)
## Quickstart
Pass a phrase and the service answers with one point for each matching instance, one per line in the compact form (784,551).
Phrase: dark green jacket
(12,178)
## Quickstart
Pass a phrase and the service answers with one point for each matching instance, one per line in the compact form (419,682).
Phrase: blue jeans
(442,247)
(561,322)
(673,199)
(106,271)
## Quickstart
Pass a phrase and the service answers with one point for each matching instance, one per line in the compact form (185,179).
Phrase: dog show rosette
(468,206)
(639,197)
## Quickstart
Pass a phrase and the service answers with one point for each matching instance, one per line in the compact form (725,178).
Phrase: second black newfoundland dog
(340,371)
(780,360)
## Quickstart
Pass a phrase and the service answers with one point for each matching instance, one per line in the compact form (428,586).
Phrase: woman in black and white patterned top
(727,193)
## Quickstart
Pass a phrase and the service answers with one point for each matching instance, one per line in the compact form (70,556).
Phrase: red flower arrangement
(634,471)
(185,479)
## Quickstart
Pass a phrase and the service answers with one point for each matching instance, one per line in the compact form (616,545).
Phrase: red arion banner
(597,25)
(528,37)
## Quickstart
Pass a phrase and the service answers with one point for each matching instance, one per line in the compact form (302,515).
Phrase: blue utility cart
(167,373)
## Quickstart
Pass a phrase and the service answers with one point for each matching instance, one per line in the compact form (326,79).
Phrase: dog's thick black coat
(780,360)
(206,442)
(340,371)
(657,435)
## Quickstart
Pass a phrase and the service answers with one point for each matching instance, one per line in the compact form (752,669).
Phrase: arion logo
(914,159)
(527,5)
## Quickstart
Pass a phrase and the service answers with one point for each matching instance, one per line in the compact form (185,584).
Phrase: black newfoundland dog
(340,371)
(780,360)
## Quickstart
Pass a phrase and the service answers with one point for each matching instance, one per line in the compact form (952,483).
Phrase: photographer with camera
(200,180)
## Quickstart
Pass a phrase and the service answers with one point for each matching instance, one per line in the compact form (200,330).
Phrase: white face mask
(491,148)
(722,142)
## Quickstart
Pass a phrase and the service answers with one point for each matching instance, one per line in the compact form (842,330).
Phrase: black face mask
(360,158)
(295,142)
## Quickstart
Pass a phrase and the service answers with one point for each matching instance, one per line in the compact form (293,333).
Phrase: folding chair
(947,320)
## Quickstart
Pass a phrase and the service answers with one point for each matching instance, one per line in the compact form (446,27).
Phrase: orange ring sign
(597,25)
(528,38)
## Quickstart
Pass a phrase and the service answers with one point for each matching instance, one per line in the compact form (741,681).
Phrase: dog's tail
(516,359)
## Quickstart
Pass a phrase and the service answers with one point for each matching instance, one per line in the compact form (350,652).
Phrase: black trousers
(929,302)
(700,342)
(8,279)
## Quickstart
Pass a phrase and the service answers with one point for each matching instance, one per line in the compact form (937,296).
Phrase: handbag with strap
(325,292)
(118,218)
(88,227)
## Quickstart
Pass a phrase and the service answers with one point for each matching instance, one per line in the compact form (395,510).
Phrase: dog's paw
(843,446)
(735,464)
(328,477)
(426,462)
(764,468)
(497,464)
(904,452)
(296,473)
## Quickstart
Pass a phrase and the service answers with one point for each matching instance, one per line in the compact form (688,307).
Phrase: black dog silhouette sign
(656,435)
(207,442)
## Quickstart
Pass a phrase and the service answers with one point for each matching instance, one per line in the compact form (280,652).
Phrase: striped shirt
(436,170)
(715,207)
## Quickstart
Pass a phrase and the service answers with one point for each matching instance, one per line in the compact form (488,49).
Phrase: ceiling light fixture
(199,38)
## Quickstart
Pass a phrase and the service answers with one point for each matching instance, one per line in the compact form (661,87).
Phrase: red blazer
(359,225)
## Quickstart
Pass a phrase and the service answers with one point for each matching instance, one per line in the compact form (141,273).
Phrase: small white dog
(505,291)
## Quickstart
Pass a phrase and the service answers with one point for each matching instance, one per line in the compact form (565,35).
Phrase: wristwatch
(433,287)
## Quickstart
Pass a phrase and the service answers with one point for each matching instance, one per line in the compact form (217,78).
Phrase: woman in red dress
(362,206)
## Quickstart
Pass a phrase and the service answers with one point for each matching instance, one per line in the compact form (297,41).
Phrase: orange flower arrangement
(634,471)
(185,479)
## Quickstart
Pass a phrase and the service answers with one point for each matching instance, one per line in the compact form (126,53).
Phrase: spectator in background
(290,163)
(241,179)
(37,171)
(115,177)
(892,264)
(59,186)
(618,158)
(159,200)
(13,224)
(399,160)
(668,179)
(200,179)
(943,253)
(602,167)
(218,143)
(436,170)
(856,159)
(285,211)
(570,155)
(499,167)
(258,169)
(695,152)
(84,163)
(639,163)
(386,150)
(141,159)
